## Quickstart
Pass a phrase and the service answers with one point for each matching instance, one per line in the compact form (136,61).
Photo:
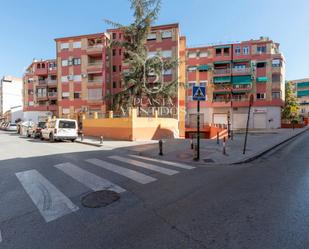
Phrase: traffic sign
(199,93)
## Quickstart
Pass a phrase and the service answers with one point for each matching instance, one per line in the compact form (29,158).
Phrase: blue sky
(28,28)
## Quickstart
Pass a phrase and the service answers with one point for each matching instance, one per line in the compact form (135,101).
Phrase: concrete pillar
(110,114)
(156,114)
(83,117)
(95,115)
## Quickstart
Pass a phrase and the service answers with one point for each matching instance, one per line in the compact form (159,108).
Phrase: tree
(138,80)
(290,110)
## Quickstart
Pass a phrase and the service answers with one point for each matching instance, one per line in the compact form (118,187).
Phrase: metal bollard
(224,145)
(191,141)
(218,142)
(101,140)
(82,137)
(232,135)
(195,152)
(160,147)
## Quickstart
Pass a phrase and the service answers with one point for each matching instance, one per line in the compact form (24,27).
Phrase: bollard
(232,135)
(160,147)
(224,144)
(82,137)
(101,140)
(191,141)
(218,138)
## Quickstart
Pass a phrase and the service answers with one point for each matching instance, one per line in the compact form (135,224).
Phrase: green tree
(291,106)
(145,13)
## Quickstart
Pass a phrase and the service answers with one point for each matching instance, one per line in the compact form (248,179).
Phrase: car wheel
(28,135)
(73,140)
(51,138)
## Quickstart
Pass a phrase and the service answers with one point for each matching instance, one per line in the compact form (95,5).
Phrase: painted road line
(145,165)
(0,237)
(51,203)
(129,173)
(90,180)
(179,165)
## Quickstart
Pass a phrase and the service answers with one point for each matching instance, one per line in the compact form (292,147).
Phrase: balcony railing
(95,80)
(96,63)
(51,82)
(42,82)
(241,70)
(52,94)
(222,71)
(96,47)
(41,96)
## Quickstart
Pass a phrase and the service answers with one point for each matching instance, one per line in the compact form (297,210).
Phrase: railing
(241,70)
(222,71)
(52,82)
(227,88)
(95,47)
(95,80)
(41,96)
(42,82)
(96,63)
(52,94)
(221,100)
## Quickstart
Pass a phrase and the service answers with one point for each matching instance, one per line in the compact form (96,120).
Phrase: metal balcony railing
(52,94)
(222,71)
(241,70)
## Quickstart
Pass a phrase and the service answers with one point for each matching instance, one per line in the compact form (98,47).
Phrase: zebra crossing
(52,204)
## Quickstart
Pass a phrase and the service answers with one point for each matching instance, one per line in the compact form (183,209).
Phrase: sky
(28,28)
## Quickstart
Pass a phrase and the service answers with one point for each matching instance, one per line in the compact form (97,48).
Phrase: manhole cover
(100,198)
(208,160)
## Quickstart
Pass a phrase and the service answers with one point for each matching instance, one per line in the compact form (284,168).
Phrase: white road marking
(145,165)
(51,203)
(179,165)
(129,173)
(0,237)
(88,179)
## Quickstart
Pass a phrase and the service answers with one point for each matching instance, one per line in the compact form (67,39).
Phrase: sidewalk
(258,143)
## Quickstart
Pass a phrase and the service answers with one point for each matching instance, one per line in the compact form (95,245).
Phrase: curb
(88,143)
(261,153)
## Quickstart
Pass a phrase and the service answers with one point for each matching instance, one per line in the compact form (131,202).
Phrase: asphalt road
(264,204)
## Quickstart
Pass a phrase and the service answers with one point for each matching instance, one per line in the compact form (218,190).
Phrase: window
(77,44)
(261,49)
(245,50)
(275,95)
(167,53)
(76,61)
(65,95)
(203,83)
(30,92)
(120,68)
(226,51)
(218,51)
(114,68)
(114,36)
(120,35)
(152,54)
(65,111)
(114,52)
(95,94)
(64,46)
(237,50)
(260,96)
(38,66)
(191,54)
(77,78)
(43,65)
(67,124)
(114,84)
(276,63)
(64,79)
(167,72)
(276,78)
(120,84)
(166,34)
(64,63)
(261,64)
(240,66)
(152,36)
(77,95)
(203,53)
(120,52)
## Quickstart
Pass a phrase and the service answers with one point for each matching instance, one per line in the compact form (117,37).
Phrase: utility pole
(247,127)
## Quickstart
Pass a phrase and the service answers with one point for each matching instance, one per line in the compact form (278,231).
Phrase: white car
(60,129)
(11,127)
(24,127)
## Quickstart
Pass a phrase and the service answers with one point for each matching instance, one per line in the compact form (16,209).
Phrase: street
(259,205)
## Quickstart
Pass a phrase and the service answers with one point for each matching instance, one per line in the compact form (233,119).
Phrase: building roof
(80,36)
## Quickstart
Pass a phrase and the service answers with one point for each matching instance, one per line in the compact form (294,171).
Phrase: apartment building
(301,90)
(10,94)
(233,72)
(40,90)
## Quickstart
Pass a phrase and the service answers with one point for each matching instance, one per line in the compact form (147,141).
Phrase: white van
(60,129)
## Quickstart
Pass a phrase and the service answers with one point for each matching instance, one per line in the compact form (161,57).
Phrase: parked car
(35,131)
(60,129)
(24,127)
(4,125)
(11,127)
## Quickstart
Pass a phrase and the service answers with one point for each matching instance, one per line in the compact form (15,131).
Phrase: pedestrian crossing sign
(199,93)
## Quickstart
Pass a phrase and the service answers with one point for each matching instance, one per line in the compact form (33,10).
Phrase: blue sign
(199,93)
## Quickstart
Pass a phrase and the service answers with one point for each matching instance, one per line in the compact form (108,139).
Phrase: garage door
(239,120)
(220,119)
(259,120)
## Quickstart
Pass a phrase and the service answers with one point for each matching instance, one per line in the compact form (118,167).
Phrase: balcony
(242,88)
(41,97)
(222,89)
(222,71)
(96,48)
(246,70)
(53,95)
(42,82)
(51,82)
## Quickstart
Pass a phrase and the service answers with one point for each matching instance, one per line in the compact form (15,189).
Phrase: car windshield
(41,124)
(12,124)
(67,124)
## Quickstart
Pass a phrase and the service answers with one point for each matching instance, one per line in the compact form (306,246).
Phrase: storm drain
(99,199)
(208,160)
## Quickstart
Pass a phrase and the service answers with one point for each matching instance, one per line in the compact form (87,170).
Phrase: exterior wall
(10,93)
(132,128)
